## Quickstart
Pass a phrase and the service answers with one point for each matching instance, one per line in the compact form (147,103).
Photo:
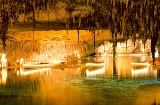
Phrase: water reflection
(121,66)
(142,72)
(78,86)
(95,72)
(124,67)
(23,71)
(3,76)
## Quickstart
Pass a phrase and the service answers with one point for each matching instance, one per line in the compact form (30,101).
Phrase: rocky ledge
(156,64)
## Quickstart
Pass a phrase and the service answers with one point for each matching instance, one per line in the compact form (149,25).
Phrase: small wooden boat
(36,65)
(95,72)
(32,71)
(95,64)
(140,63)
(140,71)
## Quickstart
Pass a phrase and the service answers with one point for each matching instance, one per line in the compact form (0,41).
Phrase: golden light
(4,76)
(21,61)
(95,72)
(36,65)
(156,54)
(138,72)
(3,60)
(140,63)
(95,64)
(28,72)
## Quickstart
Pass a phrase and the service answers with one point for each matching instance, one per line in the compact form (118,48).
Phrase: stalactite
(4,29)
(94,35)
(34,20)
(78,33)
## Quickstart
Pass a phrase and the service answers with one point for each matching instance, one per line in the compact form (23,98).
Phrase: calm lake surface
(122,84)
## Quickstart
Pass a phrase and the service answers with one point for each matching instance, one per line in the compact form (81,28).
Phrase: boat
(95,72)
(140,63)
(95,68)
(95,64)
(136,72)
(36,65)
(32,71)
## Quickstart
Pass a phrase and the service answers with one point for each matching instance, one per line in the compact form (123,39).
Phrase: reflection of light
(21,61)
(4,76)
(95,64)
(22,72)
(77,54)
(140,71)
(4,60)
(156,53)
(95,72)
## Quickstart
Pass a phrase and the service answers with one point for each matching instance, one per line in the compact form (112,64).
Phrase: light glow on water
(3,60)
(81,84)
(32,71)
(138,72)
(4,76)
(95,72)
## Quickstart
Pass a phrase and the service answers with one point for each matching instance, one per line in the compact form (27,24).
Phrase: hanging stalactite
(33,19)
(4,27)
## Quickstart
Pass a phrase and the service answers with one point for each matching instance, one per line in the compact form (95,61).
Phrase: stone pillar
(3,60)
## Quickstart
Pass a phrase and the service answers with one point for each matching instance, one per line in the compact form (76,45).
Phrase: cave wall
(58,45)
(50,46)
(34,51)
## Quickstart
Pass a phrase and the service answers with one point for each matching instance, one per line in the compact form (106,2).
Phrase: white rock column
(3,60)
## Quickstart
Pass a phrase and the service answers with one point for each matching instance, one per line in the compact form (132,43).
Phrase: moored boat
(36,65)
(95,72)
(95,64)
(32,71)
(140,63)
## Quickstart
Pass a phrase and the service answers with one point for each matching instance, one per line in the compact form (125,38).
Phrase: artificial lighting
(95,72)
(138,72)
(4,76)
(27,72)
(3,60)
(140,63)
(95,64)
(156,53)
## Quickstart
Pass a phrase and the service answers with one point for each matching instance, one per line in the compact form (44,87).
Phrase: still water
(121,84)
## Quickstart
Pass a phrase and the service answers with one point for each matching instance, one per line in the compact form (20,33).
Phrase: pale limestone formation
(123,48)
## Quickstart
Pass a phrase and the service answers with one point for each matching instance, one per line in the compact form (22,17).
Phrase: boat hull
(29,66)
(95,64)
(140,63)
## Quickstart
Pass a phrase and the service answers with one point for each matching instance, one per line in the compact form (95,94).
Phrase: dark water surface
(123,84)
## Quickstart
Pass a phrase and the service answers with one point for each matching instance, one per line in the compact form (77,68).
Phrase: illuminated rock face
(34,51)
(131,48)
(59,45)
(47,45)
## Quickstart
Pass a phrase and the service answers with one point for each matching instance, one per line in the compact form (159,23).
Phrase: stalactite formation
(124,17)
